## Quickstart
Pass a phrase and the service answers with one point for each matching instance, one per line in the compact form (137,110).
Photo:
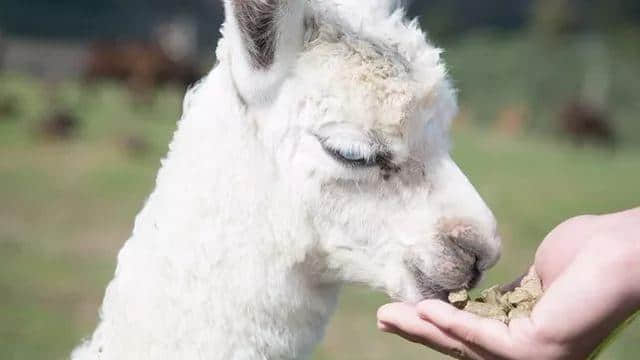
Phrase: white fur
(241,249)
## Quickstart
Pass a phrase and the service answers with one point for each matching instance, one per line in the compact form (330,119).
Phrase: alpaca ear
(263,38)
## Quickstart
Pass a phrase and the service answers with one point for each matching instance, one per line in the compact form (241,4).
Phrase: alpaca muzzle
(455,260)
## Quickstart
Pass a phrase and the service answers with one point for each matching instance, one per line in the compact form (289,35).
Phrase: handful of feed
(502,304)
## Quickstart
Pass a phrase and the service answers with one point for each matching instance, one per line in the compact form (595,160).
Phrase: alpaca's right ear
(263,39)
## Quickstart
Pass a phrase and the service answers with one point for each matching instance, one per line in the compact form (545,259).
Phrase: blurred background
(90,92)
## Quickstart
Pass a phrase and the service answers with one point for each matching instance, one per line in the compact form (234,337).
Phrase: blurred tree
(553,17)
(606,14)
(87,19)
(447,18)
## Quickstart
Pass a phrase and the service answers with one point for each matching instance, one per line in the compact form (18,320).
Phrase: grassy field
(67,206)
(496,72)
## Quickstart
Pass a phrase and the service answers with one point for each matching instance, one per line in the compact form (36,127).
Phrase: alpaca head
(355,119)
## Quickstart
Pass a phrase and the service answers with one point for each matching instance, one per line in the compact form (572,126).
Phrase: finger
(456,351)
(389,328)
(491,336)
(403,320)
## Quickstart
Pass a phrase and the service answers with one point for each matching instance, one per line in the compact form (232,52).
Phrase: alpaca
(314,154)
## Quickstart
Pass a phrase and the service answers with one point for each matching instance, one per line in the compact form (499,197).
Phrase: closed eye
(351,151)
(353,156)
(351,146)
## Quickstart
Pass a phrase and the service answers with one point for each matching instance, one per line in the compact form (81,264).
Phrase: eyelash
(355,152)
(361,162)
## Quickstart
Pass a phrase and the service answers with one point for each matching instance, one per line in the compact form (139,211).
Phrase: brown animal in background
(60,124)
(135,145)
(584,123)
(512,120)
(463,119)
(143,66)
(9,107)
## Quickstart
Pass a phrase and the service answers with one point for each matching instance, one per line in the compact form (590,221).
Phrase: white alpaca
(314,154)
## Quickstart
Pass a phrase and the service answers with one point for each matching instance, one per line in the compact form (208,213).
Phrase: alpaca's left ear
(263,39)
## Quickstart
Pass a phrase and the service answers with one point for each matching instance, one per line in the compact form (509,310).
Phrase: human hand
(590,269)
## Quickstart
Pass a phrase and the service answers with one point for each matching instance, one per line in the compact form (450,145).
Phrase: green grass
(67,207)
(613,337)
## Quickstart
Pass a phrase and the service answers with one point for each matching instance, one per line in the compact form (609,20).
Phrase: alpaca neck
(240,312)
(210,271)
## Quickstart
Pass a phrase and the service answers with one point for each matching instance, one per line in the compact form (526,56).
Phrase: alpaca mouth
(439,286)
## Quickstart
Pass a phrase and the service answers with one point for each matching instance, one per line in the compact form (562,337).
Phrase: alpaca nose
(484,248)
